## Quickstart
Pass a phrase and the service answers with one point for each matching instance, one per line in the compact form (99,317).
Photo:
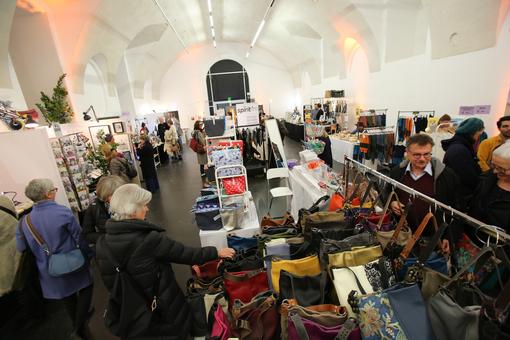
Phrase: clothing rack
(493,231)
(373,112)
(420,113)
(380,130)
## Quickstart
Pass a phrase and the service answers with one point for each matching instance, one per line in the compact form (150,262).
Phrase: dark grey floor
(170,207)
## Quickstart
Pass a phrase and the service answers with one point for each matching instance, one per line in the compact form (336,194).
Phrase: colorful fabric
(377,319)
(225,157)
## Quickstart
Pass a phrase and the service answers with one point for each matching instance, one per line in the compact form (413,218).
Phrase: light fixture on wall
(261,26)
(86,115)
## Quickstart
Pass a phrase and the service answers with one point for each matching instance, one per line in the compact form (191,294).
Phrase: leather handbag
(257,319)
(59,264)
(280,231)
(306,290)
(349,280)
(395,313)
(301,328)
(383,221)
(207,271)
(198,286)
(286,220)
(328,246)
(245,285)
(308,266)
(241,244)
(322,220)
(316,206)
(356,257)
(218,323)
(248,260)
(398,237)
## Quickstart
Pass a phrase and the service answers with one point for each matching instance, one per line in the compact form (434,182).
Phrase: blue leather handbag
(241,244)
(59,264)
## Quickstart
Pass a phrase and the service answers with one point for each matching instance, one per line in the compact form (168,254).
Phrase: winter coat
(150,251)
(146,154)
(326,155)
(461,157)
(171,138)
(94,220)
(9,256)
(118,167)
(200,136)
(60,230)
(489,207)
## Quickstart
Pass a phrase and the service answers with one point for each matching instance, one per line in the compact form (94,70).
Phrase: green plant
(56,109)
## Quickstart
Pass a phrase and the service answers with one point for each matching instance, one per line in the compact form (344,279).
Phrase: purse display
(306,290)
(59,264)
(286,221)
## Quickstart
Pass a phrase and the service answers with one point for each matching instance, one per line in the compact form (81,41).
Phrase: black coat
(146,154)
(461,157)
(150,251)
(327,155)
(489,207)
(94,220)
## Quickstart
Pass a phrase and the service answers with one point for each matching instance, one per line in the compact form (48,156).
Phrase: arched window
(227,83)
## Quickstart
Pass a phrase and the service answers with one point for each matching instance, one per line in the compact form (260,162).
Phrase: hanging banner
(247,114)
(475,110)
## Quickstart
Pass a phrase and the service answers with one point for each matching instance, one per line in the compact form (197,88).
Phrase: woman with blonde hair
(172,141)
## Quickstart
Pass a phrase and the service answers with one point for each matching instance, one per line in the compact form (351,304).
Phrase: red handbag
(336,202)
(220,324)
(245,285)
(208,270)
(234,185)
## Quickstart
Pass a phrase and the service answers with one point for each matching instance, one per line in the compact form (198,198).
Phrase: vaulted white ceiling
(305,35)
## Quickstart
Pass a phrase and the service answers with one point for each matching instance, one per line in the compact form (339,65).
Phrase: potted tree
(56,110)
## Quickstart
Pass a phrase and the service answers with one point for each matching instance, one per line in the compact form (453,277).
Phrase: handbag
(206,201)
(257,319)
(219,325)
(131,170)
(301,328)
(232,216)
(322,220)
(395,313)
(308,266)
(356,257)
(59,264)
(286,221)
(214,126)
(395,238)
(208,270)
(195,145)
(241,244)
(208,218)
(245,285)
(306,290)
(247,260)
(195,285)
(234,185)
(225,158)
(316,206)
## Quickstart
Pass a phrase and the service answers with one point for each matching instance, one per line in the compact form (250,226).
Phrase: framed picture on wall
(118,127)
(94,130)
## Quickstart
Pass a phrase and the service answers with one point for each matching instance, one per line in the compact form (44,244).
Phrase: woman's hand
(226,253)
(396,207)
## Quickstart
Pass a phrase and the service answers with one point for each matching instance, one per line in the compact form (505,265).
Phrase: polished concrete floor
(170,207)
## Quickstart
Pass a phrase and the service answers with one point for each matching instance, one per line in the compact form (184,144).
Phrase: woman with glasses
(57,226)
(461,156)
(491,203)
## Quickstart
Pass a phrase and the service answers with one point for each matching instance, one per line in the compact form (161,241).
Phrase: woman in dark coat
(145,152)
(461,156)
(147,253)
(97,213)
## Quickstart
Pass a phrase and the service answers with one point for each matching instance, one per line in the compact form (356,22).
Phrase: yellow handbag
(355,257)
(307,266)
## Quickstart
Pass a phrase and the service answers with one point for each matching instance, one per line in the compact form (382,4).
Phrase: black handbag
(330,246)
(27,273)
(307,290)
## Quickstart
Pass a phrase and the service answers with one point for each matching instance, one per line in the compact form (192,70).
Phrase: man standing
(162,127)
(427,175)
(487,146)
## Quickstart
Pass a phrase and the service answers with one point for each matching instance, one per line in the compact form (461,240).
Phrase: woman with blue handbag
(54,236)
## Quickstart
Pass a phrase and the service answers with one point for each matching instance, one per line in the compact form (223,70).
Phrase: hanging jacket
(153,252)
(461,157)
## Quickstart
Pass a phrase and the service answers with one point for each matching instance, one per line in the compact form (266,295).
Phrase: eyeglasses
(499,169)
(420,155)
(54,189)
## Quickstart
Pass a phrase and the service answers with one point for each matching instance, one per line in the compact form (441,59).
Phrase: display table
(341,148)
(218,238)
(305,188)
(295,131)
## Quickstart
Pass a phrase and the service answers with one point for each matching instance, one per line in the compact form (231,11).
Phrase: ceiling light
(209,6)
(247,54)
(211,19)
(258,33)
(261,25)
(214,43)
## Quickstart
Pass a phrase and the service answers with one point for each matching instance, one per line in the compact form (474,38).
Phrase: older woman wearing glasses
(491,203)
(60,231)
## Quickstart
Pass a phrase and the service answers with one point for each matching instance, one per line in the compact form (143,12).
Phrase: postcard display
(71,156)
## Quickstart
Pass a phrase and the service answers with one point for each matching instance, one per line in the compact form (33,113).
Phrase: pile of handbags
(347,274)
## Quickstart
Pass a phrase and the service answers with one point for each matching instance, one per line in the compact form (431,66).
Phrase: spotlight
(86,116)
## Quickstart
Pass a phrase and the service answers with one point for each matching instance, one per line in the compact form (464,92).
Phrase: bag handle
(300,327)
(358,282)
(481,254)
(356,187)
(243,276)
(386,207)
(432,243)
(347,329)
(402,222)
(38,238)
(410,244)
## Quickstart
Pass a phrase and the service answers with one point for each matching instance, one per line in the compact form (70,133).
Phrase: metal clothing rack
(493,231)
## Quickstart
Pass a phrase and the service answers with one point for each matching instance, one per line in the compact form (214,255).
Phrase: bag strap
(436,239)
(347,329)
(358,282)
(400,225)
(366,194)
(243,276)
(483,253)
(417,234)
(300,327)
(8,211)
(502,302)
(38,238)
(386,207)
(356,187)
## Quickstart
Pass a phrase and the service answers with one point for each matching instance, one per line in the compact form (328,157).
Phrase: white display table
(341,148)
(305,188)
(218,238)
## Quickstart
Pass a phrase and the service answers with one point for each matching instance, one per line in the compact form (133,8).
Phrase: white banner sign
(247,114)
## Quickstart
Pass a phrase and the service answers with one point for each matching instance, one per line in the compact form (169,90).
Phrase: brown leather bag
(286,221)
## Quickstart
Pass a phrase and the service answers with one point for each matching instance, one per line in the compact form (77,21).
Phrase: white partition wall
(25,155)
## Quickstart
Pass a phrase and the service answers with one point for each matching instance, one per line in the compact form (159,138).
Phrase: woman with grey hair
(58,227)
(98,212)
(143,251)
(491,203)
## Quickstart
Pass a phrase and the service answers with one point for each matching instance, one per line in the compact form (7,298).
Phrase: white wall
(13,94)
(183,87)
(420,83)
